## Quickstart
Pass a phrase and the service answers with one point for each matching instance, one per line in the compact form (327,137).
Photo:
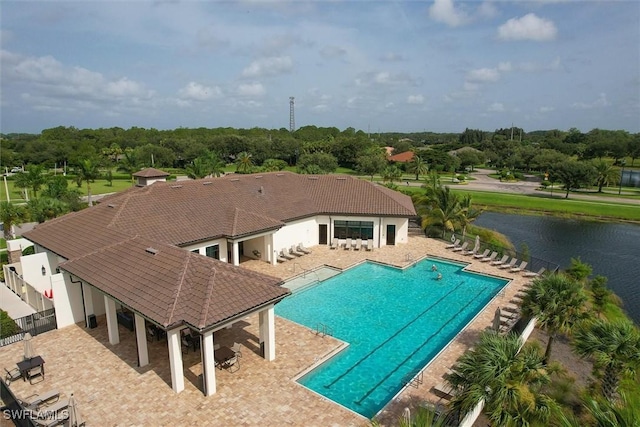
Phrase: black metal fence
(11,409)
(36,323)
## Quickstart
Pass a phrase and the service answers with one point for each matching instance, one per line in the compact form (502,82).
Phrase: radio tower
(292,121)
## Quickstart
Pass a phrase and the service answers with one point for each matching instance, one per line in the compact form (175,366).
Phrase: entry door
(322,234)
(391,234)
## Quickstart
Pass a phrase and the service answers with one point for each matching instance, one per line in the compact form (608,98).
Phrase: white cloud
(483,75)
(251,89)
(546,109)
(392,57)
(445,11)
(487,10)
(496,107)
(198,92)
(415,99)
(529,27)
(331,52)
(320,108)
(601,102)
(385,78)
(268,67)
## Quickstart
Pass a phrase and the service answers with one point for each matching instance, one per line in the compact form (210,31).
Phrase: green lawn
(101,186)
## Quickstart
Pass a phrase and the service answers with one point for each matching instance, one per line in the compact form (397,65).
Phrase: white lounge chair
(493,256)
(334,244)
(35,401)
(367,245)
(461,248)
(511,264)
(501,261)
(293,251)
(482,255)
(302,249)
(454,244)
(358,244)
(284,254)
(532,274)
(521,267)
(347,244)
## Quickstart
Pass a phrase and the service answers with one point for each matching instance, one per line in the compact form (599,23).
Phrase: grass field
(101,186)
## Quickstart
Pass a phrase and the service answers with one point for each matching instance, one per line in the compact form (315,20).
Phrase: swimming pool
(394,320)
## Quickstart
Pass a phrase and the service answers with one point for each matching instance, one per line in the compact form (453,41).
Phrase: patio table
(223,355)
(28,364)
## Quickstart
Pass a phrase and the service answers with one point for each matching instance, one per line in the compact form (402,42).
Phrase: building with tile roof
(404,157)
(168,255)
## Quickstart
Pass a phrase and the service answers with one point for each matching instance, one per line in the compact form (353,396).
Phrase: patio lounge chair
(461,248)
(50,416)
(347,244)
(12,375)
(302,249)
(521,267)
(511,264)
(501,261)
(493,256)
(532,274)
(35,401)
(444,390)
(368,246)
(334,244)
(482,255)
(358,244)
(35,372)
(285,255)
(293,251)
(454,244)
(469,252)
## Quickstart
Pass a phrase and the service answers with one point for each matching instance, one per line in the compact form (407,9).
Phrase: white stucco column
(112,320)
(175,360)
(208,365)
(271,250)
(87,296)
(267,328)
(236,253)
(141,339)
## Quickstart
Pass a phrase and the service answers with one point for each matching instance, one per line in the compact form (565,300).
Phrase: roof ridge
(181,282)
(127,197)
(106,247)
(207,300)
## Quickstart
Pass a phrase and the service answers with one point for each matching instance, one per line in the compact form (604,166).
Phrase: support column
(88,302)
(271,250)
(175,360)
(141,340)
(236,253)
(268,333)
(208,365)
(112,320)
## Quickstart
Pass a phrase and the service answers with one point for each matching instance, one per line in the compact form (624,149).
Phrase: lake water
(613,250)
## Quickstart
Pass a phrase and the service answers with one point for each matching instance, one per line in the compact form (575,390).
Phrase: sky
(377,66)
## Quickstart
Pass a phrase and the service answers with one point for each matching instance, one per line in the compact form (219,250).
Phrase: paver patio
(111,390)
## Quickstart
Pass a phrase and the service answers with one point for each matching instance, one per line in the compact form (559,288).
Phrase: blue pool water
(395,322)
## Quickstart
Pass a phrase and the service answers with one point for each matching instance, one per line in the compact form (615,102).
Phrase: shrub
(7,326)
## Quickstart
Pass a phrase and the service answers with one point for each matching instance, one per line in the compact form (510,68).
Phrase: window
(353,229)
(213,251)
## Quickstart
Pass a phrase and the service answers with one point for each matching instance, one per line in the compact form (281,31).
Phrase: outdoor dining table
(223,355)
(28,364)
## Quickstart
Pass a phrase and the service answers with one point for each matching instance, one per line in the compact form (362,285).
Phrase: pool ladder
(413,379)
(323,330)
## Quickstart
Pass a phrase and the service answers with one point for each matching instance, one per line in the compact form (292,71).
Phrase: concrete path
(12,304)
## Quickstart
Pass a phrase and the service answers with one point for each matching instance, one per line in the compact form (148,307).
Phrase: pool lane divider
(371,390)
(385,342)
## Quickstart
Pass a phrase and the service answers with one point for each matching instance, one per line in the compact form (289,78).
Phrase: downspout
(84,308)
(380,232)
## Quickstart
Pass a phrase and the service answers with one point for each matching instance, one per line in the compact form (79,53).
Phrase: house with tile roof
(169,255)
(404,157)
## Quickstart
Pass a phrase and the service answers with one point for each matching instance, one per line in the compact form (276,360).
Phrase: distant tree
(391,173)
(46,208)
(244,162)
(371,162)
(605,174)
(467,214)
(601,295)
(198,169)
(418,166)
(57,187)
(33,178)
(11,215)
(578,270)
(87,171)
(323,163)
(633,147)
(573,175)
(273,165)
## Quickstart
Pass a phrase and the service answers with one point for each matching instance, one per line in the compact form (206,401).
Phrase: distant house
(168,255)
(404,157)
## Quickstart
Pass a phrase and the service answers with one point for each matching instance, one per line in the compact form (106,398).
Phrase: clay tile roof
(170,285)
(405,157)
(151,173)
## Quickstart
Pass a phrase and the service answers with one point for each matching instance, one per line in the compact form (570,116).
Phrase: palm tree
(47,208)
(601,295)
(509,380)
(558,303)
(244,162)
(215,165)
(33,178)
(614,348)
(198,169)
(11,215)
(606,174)
(444,212)
(467,214)
(391,173)
(88,172)
(623,413)
(129,163)
(418,166)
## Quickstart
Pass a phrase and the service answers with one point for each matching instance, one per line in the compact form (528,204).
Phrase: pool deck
(111,390)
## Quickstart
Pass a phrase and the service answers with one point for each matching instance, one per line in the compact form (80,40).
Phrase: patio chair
(334,244)
(237,349)
(347,244)
(511,264)
(521,267)
(302,249)
(444,390)
(367,245)
(50,416)
(35,401)
(482,255)
(293,251)
(358,244)
(461,248)
(532,274)
(454,244)
(35,372)
(490,258)
(285,255)
(12,375)
(501,260)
